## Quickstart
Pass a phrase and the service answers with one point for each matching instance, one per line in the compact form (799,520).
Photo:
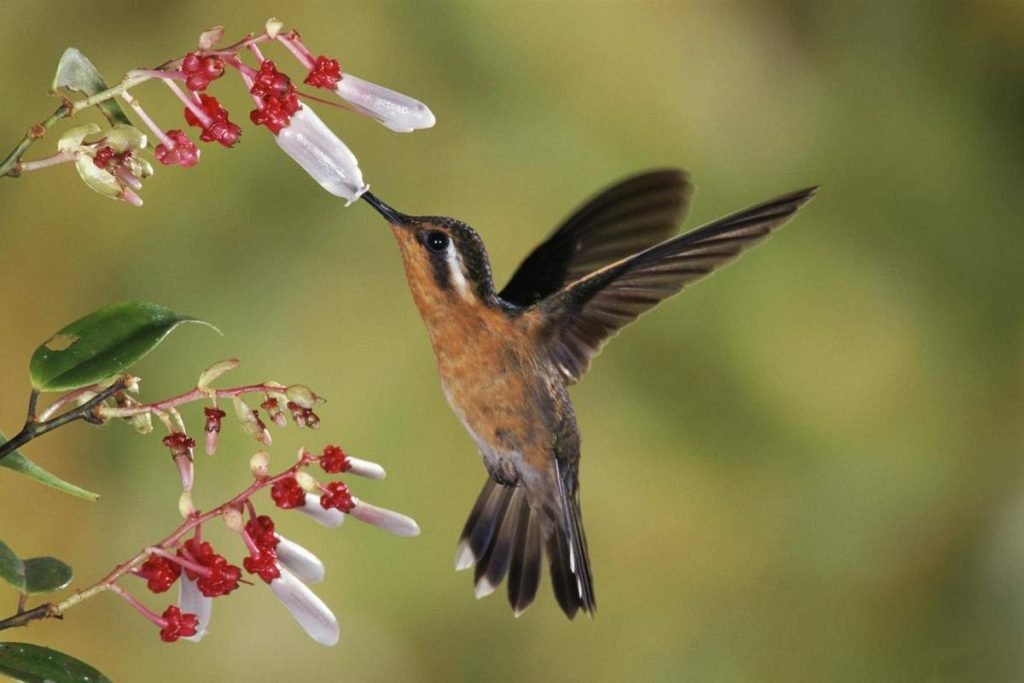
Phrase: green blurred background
(807,468)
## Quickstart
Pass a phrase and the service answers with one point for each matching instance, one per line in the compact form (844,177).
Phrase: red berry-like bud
(334,460)
(178,151)
(213,418)
(220,577)
(278,100)
(159,572)
(199,71)
(103,157)
(337,497)
(264,565)
(177,624)
(220,129)
(180,444)
(261,531)
(287,494)
(325,73)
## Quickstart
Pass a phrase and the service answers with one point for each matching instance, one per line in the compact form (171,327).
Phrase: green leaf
(46,574)
(12,570)
(102,344)
(19,463)
(75,72)
(36,664)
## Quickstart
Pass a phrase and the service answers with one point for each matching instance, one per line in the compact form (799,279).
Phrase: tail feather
(493,566)
(505,537)
(524,572)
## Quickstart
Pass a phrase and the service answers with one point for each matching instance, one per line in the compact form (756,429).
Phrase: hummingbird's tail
(504,536)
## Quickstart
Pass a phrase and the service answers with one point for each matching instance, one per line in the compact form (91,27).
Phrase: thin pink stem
(295,46)
(193,567)
(139,607)
(187,397)
(250,544)
(158,73)
(157,131)
(254,48)
(190,103)
(59,158)
(231,50)
(248,75)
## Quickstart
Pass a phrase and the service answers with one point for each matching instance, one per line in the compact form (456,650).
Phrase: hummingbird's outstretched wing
(583,316)
(622,220)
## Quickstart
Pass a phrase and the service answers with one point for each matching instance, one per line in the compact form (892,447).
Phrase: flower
(316,148)
(214,576)
(299,561)
(192,600)
(396,111)
(325,73)
(177,624)
(336,496)
(111,166)
(309,610)
(199,71)
(311,508)
(287,494)
(388,520)
(177,150)
(159,572)
(217,127)
(276,93)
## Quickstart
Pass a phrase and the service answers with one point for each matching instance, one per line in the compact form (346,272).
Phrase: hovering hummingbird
(506,359)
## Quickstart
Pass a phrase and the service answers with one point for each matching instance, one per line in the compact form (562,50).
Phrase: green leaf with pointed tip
(12,569)
(75,72)
(19,463)
(29,663)
(46,574)
(102,344)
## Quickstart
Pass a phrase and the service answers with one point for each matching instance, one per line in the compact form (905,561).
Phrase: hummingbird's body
(506,360)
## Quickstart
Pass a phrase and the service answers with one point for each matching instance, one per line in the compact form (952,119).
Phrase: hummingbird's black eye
(436,241)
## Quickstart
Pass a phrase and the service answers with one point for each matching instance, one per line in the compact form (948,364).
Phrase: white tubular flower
(398,112)
(322,154)
(190,600)
(365,468)
(310,611)
(329,518)
(299,561)
(395,522)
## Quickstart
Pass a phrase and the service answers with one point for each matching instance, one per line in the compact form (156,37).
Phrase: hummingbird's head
(445,260)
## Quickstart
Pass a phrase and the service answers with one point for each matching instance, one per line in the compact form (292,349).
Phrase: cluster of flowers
(297,398)
(204,574)
(111,164)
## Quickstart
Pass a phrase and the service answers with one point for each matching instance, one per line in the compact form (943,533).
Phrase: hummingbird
(507,358)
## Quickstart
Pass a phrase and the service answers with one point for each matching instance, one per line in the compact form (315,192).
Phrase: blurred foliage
(807,468)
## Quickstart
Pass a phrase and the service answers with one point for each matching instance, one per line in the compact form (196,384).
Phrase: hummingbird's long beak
(392,216)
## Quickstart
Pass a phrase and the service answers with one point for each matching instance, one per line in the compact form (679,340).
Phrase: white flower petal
(395,522)
(192,601)
(330,518)
(398,112)
(322,154)
(300,561)
(365,468)
(310,611)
